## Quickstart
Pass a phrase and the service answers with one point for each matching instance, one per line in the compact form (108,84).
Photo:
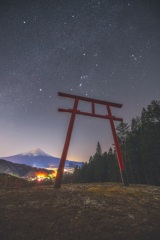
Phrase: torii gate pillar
(73,112)
(60,170)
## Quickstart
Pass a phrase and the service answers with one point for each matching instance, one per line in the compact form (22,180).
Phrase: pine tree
(99,149)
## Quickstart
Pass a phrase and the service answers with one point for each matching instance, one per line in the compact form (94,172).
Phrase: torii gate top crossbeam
(118,105)
(92,101)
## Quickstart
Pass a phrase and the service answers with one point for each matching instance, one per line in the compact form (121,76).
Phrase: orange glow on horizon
(41,174)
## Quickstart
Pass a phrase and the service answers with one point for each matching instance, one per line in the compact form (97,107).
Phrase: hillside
(20,170)
(81,211)
(9,181)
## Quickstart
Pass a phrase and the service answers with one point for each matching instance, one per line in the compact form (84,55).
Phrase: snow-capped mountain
(38,158)
(35,152)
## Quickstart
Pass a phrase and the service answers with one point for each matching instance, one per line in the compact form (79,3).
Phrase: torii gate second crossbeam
(75,111)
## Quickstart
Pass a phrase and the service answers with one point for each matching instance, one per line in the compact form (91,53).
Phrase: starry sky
(103,49)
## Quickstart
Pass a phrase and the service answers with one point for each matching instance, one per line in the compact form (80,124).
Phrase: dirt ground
(80,211)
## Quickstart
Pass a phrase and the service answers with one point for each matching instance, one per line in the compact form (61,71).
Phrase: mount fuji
(38,158)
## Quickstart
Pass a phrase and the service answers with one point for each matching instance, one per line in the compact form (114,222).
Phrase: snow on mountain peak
(35,152)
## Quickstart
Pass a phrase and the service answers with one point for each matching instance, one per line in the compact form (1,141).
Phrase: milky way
(106,49)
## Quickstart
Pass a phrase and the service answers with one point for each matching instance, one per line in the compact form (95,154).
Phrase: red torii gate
(75,111)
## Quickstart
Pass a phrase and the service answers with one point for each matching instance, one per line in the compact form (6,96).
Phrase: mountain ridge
(38,158)
(20,170)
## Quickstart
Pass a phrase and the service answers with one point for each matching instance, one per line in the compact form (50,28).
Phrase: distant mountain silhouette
(20,170)
(38,158)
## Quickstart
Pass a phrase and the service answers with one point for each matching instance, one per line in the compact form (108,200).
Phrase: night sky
(103,49)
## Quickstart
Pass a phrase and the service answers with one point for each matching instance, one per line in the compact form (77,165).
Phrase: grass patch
(80,211)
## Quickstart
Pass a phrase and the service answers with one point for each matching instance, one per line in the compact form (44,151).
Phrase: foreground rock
(80,211)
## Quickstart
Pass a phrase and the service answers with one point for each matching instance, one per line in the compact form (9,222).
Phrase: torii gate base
(75,111)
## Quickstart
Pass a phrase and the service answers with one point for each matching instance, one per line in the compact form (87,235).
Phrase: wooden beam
(91,114)
(112,104)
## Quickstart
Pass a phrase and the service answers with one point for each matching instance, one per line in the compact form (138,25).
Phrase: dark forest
(140,149)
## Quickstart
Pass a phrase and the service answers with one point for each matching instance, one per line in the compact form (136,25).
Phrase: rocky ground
(80,211)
